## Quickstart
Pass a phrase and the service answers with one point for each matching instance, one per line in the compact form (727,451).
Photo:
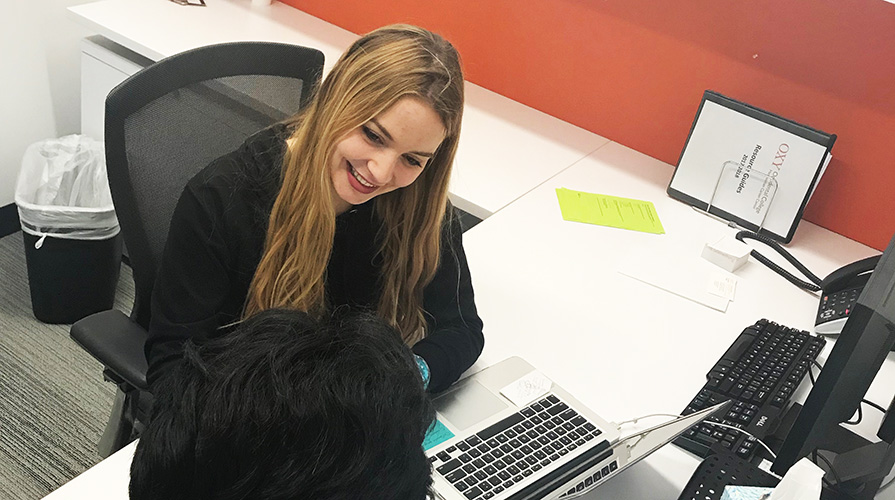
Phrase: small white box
(727,253)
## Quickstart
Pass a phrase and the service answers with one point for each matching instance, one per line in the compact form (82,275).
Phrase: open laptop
(509,433)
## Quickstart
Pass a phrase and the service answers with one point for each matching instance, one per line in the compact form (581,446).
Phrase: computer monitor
(853,363)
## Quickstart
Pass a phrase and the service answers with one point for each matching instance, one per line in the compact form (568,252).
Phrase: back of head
(285,407)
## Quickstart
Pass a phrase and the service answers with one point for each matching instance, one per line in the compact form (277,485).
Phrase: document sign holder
(763,158)
(748,194)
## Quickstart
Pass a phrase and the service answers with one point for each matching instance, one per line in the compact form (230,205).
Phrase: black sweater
(216,240)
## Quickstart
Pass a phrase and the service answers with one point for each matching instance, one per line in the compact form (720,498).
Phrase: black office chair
(163,125)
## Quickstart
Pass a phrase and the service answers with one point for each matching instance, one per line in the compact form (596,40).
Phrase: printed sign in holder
(780,161)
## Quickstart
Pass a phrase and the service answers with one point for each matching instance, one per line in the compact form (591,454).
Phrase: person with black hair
(288,407)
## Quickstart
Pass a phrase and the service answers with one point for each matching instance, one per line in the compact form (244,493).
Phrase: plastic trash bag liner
(62,190)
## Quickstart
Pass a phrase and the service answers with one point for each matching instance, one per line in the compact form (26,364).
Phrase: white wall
(39,80)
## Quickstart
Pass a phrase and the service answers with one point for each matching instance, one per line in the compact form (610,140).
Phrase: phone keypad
(837,305)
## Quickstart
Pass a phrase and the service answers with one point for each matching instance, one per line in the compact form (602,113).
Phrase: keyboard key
(501,426)
(448,467)
(557,409)
(472,493)
(456,475)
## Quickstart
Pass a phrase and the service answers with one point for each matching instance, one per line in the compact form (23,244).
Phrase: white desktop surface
(506,148)
(550,291)
(107,480)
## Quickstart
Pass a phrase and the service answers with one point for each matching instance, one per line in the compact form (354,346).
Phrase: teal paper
(436,435)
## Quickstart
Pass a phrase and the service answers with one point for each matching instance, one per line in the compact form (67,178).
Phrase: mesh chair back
(171,119)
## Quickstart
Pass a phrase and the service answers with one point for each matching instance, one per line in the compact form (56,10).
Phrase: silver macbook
(509,432)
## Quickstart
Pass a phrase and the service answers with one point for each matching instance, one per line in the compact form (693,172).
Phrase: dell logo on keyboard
(761,421)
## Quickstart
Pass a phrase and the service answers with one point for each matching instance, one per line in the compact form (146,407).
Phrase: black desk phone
(839,291)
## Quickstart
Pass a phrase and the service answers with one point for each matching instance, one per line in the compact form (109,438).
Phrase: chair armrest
(116,342)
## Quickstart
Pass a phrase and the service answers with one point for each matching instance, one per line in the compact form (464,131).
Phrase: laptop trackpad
(468,405)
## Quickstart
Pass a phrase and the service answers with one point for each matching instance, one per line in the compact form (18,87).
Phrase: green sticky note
(436,435)
(612,211)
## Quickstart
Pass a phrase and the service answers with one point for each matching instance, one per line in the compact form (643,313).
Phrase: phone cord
(814,286)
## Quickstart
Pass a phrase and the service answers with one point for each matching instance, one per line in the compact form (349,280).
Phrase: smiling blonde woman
(342,206)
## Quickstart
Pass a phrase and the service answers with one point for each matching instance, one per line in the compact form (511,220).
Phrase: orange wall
(634,71)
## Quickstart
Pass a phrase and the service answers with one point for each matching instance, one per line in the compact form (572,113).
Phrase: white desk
(550,291)
(506,148)
(107,480)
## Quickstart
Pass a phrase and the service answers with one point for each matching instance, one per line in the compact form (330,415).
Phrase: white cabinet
(104,64)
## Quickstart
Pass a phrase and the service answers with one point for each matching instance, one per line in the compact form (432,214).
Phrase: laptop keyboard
(504,454)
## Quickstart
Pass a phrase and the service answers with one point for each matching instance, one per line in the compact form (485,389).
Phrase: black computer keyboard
(759,372)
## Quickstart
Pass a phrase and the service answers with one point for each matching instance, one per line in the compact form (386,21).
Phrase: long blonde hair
(373,74)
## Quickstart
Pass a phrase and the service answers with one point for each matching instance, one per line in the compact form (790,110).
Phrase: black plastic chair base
(119,431)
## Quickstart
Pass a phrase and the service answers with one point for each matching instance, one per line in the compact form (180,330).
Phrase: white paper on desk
(722,284)
(680,278)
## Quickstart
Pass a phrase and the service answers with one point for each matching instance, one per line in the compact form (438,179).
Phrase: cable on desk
(815,457)
(719,424)
(637,419)
(865,401)
(813,285)
(874,405)
(766,447)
